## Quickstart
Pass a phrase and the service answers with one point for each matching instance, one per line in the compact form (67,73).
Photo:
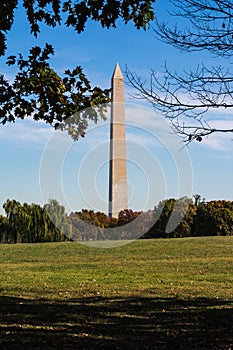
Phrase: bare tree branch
(188,98)
(210,26)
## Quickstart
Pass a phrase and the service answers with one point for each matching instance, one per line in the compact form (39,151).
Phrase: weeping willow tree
(59,225)
(30,223)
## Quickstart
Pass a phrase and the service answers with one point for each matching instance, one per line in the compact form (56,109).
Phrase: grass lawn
(149,294)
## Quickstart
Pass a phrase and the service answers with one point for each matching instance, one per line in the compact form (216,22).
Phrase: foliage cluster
(169,219)
(213,218)
(37,90)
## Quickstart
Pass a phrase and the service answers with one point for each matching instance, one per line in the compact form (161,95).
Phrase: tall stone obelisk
(118,193)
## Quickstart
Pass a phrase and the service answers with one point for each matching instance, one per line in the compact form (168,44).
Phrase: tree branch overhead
(188,98)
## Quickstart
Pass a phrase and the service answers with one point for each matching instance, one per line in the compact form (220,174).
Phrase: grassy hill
(149,294)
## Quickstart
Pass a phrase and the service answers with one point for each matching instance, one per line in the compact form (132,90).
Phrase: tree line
(171,218)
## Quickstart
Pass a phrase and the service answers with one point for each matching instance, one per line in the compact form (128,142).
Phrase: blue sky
(38,164)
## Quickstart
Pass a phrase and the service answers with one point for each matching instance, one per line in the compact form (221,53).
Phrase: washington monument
(118,194)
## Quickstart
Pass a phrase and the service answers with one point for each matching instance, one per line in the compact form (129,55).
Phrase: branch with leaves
(37,90)
(75,13)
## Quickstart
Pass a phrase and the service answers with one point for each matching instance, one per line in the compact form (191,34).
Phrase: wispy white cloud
(220,113)
(74,54)
(220,141)
(143,124)
(24,132)
(216,118)
(155,129)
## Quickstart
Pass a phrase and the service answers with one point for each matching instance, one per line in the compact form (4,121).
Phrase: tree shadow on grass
(116,323)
